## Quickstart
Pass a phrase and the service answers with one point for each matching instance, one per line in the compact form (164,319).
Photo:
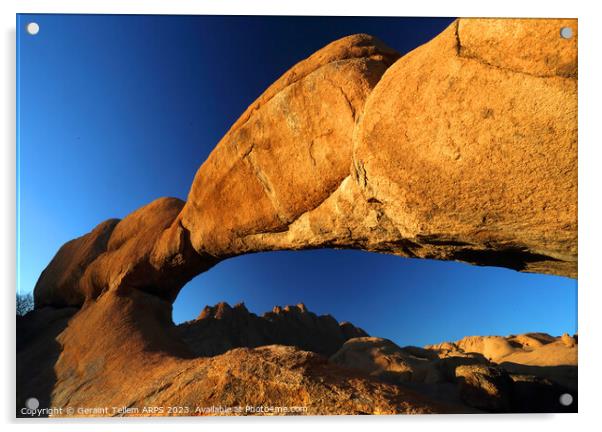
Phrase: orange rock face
(526,46)
(534,349)
(527,355)
(289,151)
(124,351)
(470,145)
(464,150)
(148,250)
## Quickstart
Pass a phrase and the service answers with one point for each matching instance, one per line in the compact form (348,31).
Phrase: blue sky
(115,111)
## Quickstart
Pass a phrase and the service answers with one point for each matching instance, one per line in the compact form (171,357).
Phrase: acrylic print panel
(235,215)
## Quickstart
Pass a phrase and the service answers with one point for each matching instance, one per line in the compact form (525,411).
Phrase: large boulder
(289,150)
(385,360)
(491,347)
(465,149)
(469,146)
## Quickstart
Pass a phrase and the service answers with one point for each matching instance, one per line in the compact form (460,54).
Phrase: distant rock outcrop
(535,349)
(221,328)
(456,373)
(552,360)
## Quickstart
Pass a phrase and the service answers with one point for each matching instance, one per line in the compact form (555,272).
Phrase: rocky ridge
(221,328)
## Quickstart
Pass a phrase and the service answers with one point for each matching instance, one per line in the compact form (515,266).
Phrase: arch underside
(443,154)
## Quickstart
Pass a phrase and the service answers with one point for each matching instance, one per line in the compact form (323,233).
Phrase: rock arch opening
(409,301)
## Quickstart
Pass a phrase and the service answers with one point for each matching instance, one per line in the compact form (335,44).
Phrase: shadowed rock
(123,351)
(446,373)
(148,250)
(221,328)
(59,283)
(538,363)
(37,353)
(485,387)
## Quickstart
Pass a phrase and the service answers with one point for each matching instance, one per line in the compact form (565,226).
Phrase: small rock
(568,340)
(484,387)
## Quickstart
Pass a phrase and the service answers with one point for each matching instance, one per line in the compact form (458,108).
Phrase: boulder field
(524,377)
(464,149)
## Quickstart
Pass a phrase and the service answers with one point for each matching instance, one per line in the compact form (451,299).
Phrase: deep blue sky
(115,111)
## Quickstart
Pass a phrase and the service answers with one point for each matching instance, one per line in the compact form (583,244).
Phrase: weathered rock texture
(456,372)
(464,149)
(548,357)
(221,328)
(148,250)
(288,152)
(124,351)
(385,360)
(468,146)
(485,387)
